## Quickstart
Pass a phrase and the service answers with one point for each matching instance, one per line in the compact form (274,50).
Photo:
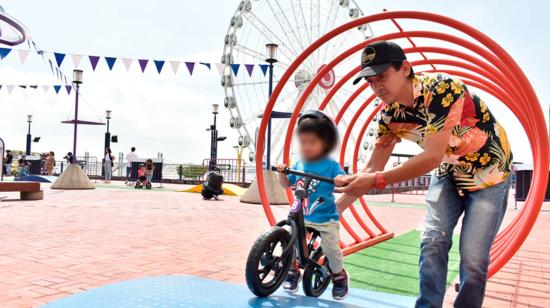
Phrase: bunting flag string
(57,88)
(58,58)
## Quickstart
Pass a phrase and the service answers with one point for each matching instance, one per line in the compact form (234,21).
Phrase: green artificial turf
(392,266)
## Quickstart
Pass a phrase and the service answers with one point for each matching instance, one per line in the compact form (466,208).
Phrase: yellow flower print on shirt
(486,117)
(482,106)
(472,156)
(382,129)
(441,87)
(447,100)
(457,86)
(485,159)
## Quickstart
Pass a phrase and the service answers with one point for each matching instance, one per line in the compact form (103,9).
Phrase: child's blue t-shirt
(321,206)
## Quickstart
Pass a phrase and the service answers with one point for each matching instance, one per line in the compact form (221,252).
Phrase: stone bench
(28,190)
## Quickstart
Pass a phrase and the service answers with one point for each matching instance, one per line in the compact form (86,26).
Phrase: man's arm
(380,156)
(435,146)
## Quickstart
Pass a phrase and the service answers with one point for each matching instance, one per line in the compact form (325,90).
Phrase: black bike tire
(254,257)
(307,283)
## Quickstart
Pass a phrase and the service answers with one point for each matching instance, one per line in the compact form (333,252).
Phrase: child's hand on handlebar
(281,167)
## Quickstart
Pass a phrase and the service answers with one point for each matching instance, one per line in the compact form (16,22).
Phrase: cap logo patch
(368,55)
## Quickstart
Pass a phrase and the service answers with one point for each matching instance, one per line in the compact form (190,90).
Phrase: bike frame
(295,217)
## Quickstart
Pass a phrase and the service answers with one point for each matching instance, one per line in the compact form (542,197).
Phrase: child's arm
(283,178)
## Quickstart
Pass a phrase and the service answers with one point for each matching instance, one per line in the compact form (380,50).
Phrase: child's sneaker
(291,281)
(340,286)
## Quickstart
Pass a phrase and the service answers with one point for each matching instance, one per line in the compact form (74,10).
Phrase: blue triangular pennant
(159,64)
(22,86)
(235,68)
(205,64)
(57,88)
(110,62)
(264,68)
(4,52)
(68,88)
(59,58)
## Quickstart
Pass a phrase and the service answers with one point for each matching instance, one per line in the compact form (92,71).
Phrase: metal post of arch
(3,147)
(492,70)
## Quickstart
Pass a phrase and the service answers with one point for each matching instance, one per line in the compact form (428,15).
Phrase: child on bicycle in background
(318,137)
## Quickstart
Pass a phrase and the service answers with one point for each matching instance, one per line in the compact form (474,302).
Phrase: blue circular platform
(189,291)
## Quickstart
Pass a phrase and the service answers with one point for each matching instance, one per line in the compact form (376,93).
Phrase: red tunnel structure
(486,66)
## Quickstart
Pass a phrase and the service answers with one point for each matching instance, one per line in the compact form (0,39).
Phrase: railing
(232,170)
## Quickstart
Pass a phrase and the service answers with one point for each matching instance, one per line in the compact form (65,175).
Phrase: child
(318,136)
(149,169)
(142,173)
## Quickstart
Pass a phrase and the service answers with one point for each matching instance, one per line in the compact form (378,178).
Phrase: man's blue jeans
(483,213)
(128,171)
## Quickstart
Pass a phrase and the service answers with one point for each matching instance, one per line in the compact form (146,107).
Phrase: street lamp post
(28,149)
(213,140)
(107,133)
(271,53)
(77,81)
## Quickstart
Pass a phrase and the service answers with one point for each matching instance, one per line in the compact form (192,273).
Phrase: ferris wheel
(292,25)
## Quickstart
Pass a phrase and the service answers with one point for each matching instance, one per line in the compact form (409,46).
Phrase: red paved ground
(76,240)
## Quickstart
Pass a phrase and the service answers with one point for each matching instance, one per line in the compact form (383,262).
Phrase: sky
(169,114)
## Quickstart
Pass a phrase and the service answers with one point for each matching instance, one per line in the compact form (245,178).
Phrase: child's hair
(322,128)
(149,164)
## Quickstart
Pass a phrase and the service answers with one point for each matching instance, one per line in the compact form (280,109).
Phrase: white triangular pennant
(76,60)
(10,88)
(175,66)
(23,53)
(127,63)
(45,88)
(220,67)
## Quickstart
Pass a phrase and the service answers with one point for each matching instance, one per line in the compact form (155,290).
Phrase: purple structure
(12,32)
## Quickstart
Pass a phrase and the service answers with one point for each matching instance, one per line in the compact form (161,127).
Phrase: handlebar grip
(274,168)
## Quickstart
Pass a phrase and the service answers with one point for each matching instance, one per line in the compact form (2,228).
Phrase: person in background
(109,164)
(8,161)
(130,157)
(43,158)
(23,168)
(150,170)
(69,158)
(50,163)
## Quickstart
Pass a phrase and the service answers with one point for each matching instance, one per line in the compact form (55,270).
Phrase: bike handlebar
(304,174)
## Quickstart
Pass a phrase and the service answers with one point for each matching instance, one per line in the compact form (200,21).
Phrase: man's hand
(357,184)
(340,180)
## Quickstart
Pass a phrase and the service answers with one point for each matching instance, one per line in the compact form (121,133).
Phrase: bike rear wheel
(266,267)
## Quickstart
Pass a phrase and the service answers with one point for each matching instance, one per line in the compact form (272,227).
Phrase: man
(8,162)
(470,152)
(130,157)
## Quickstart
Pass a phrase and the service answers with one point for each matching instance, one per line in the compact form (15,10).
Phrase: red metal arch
(511,83)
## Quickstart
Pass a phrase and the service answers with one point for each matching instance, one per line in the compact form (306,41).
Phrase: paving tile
(76,240)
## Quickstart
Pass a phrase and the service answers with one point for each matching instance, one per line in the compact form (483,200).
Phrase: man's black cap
(377,57)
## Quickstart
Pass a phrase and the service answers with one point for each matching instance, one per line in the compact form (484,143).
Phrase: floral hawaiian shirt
(478,154)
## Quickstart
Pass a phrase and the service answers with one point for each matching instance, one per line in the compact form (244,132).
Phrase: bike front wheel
(266,267)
